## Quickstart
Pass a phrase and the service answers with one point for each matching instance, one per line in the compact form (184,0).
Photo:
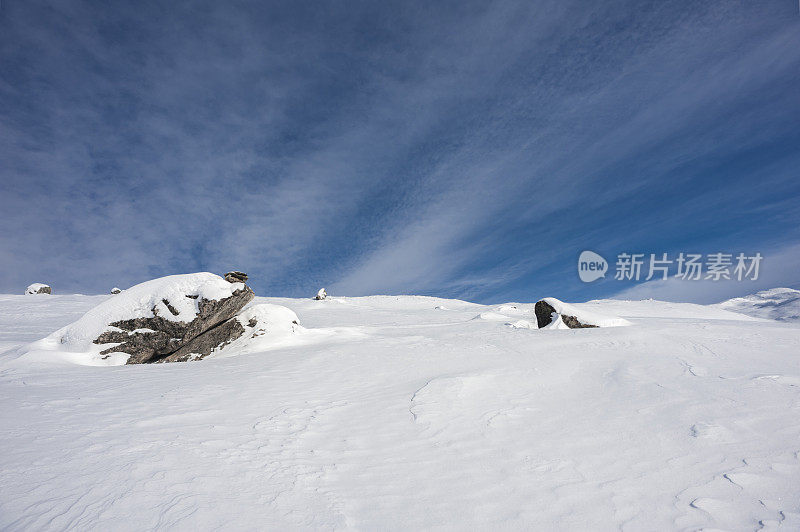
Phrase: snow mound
(492,316)
(266,318)
(781,304)
(37,288)
(522,324)
(517,310)
(168,296)
(586,317)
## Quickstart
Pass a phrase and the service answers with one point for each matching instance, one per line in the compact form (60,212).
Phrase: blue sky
(460,149)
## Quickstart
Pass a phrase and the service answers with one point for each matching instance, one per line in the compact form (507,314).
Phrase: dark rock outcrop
(236,277)
(201,346)
(573,323)
(545,312)
(158,337)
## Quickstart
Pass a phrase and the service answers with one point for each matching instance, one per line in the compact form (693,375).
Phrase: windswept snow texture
(782,304)
(398,413)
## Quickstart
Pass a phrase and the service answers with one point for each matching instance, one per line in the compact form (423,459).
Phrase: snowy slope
(782,304)
(409,413)
(24,320)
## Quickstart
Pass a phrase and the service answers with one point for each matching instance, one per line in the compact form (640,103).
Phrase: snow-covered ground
(412,413)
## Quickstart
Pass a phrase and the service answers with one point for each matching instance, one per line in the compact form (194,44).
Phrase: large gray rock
(149,339)
(545,314)
(211,340)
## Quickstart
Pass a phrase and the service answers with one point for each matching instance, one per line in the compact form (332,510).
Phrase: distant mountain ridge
(780,304)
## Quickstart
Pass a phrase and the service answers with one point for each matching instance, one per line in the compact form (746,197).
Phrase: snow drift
(367,420)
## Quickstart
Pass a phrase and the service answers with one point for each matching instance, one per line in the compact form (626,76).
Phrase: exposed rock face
(322,294)
(545,312)
(38,288)
(115,290)
(253,322)
(236,277)
(573,323)
(201,346)
(150,339)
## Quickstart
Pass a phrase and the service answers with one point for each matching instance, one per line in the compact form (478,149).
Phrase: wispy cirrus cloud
(467,150)
(615,131)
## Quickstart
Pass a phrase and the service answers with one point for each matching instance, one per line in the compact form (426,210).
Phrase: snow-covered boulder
(157,318)
(38,288)
(322,294)
(266,318)
(552,313)
(116,290)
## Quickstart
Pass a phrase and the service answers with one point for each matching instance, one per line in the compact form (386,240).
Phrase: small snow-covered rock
(115,290)
(322,294)
(38,288)
(551,313)
(266,318)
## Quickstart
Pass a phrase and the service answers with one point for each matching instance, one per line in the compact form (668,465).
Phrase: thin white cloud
(555,167)
(236,145)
